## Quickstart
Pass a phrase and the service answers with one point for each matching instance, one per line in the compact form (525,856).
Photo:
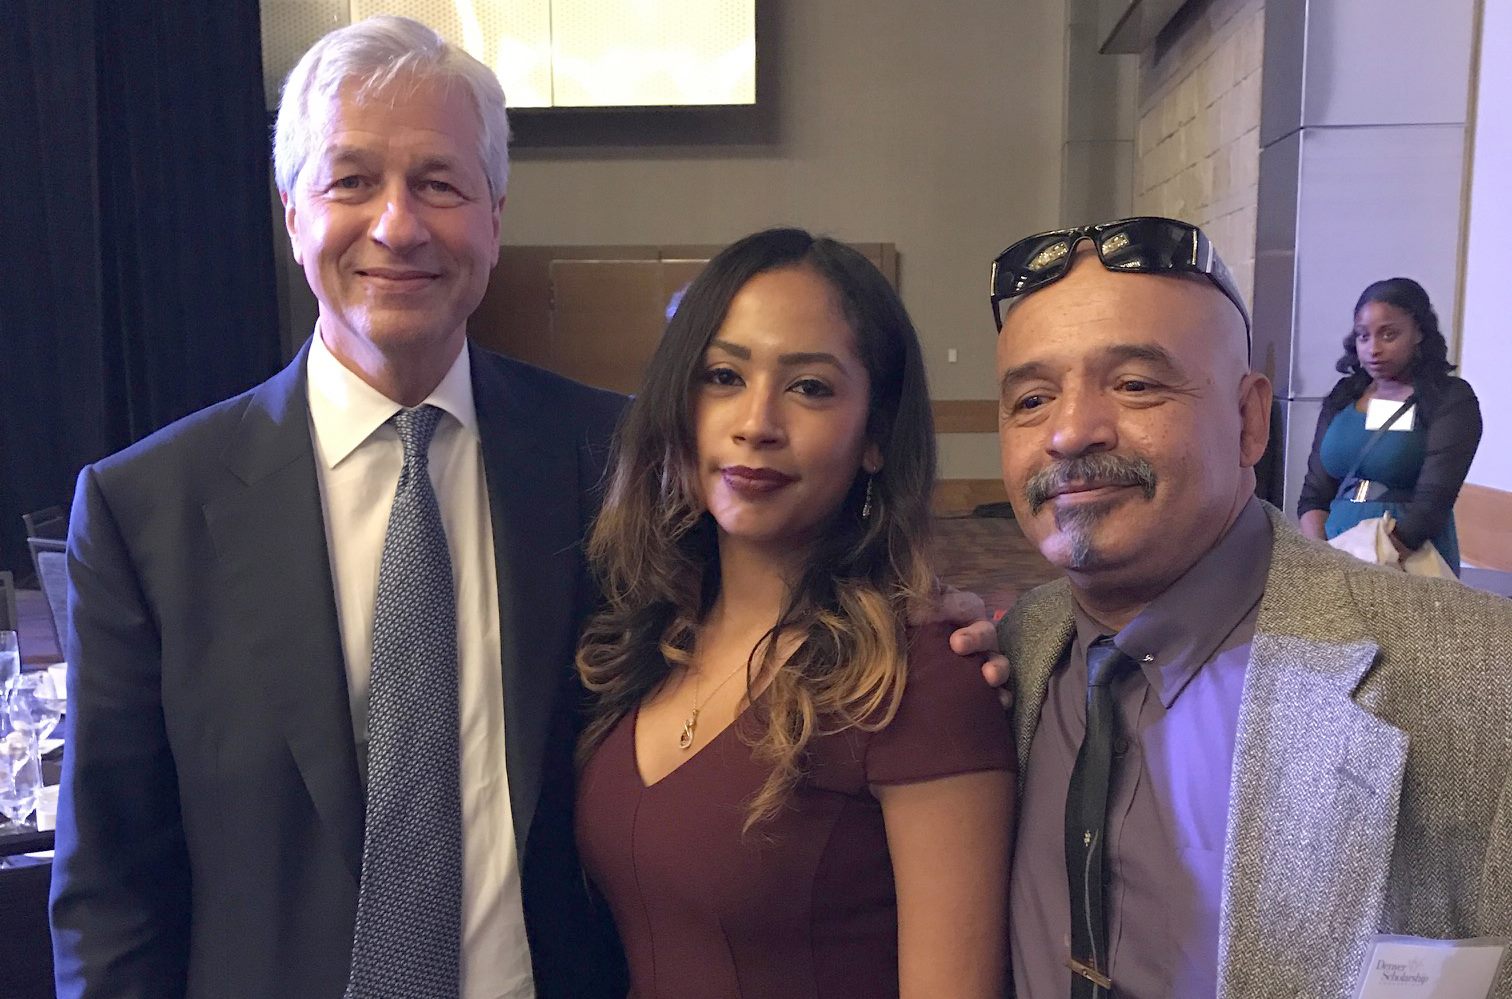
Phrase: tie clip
(1090,973)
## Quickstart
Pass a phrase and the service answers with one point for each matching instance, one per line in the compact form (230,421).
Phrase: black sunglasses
(1146,245)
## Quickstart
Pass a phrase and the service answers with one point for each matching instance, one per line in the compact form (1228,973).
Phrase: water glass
(20,775)
(34,704)
(10,659)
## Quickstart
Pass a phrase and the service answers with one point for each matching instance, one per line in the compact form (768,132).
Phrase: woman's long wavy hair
(654,547)
(1432,361)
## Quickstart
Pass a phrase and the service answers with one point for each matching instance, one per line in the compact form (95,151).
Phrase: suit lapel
(1035,637)
(269,536)
(533,493)
(1316,784)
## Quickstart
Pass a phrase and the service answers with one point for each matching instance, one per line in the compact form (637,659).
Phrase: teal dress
(1396,462)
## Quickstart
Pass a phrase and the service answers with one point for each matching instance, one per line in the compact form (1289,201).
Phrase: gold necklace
(690,725)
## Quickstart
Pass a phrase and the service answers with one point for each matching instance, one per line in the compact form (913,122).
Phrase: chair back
(50,557)
(49,522)
(8,617)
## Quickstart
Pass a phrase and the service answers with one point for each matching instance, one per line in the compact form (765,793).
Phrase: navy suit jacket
(210,826)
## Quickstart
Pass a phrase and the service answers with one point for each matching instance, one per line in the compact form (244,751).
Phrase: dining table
(26,972)
(38,642)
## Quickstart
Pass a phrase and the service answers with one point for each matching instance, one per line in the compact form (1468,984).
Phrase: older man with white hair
(322,711)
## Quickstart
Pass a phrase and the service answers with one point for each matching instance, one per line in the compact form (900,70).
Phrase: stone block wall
(1197,149)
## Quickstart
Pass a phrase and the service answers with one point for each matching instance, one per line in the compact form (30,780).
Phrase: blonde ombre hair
(654,549)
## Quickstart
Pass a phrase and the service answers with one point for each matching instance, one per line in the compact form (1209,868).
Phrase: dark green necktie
(1086,823)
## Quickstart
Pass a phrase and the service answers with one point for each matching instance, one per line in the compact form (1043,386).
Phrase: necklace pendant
(685,740)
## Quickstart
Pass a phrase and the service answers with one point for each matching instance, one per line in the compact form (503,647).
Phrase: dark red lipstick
(743,479)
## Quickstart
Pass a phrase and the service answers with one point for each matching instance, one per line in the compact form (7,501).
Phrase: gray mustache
(1095,469)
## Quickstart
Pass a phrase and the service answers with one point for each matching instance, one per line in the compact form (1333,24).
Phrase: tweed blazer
(1372,775)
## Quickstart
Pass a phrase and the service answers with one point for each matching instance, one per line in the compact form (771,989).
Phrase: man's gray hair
(373,54)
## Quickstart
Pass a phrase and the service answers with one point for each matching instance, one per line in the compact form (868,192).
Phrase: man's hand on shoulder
(977,638)
(975,633)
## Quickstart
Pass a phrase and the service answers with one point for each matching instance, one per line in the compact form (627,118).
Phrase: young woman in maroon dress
(786,791)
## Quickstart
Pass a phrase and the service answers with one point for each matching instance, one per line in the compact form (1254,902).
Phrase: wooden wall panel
(595,313)
(965,416)
(964,495)
(1483,518)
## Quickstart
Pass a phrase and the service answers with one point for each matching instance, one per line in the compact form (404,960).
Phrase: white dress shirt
(358,458)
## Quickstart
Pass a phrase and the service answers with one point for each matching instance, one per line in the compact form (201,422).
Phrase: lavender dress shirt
(1169,796)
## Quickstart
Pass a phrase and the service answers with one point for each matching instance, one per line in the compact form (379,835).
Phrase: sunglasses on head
(1146,245)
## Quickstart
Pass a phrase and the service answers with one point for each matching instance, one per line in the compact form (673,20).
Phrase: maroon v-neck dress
(804,905)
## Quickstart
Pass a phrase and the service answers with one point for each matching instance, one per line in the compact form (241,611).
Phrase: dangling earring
(866,504)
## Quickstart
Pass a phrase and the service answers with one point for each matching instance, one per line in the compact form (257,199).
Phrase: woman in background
(785,791)
(1395,352)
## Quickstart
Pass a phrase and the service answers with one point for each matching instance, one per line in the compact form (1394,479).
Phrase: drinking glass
(10,659)
(20,775)
(35,703)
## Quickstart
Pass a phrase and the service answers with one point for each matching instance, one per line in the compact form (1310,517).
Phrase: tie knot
(416,428)
(1104,662)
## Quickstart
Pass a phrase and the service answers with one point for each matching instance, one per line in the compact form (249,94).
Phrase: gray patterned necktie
(407,943)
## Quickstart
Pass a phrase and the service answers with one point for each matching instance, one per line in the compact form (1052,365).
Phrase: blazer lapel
(1316,783)
(531,467)
(269,536)
(1034,638)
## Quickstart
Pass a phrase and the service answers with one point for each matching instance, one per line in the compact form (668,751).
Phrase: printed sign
(1398,967)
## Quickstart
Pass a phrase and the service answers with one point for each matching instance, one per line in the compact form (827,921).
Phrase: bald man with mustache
(1244,754)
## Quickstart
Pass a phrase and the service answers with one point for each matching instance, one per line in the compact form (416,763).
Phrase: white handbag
(1370,541)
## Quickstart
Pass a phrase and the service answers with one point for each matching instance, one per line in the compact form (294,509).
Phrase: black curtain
(137,275)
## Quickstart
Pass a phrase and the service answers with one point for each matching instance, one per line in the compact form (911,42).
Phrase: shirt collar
(345,410)
(1185,626)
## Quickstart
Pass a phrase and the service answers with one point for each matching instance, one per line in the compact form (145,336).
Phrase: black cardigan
(1448,410)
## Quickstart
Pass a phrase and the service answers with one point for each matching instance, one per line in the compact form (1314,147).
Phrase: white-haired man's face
(394,225)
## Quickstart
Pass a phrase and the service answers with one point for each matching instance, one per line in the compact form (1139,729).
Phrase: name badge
(1398,967)
(1378,411)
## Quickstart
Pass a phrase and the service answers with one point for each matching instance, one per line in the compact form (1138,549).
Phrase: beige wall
(1101,115)
(1484,510)
(1485,353)
(1198,148)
